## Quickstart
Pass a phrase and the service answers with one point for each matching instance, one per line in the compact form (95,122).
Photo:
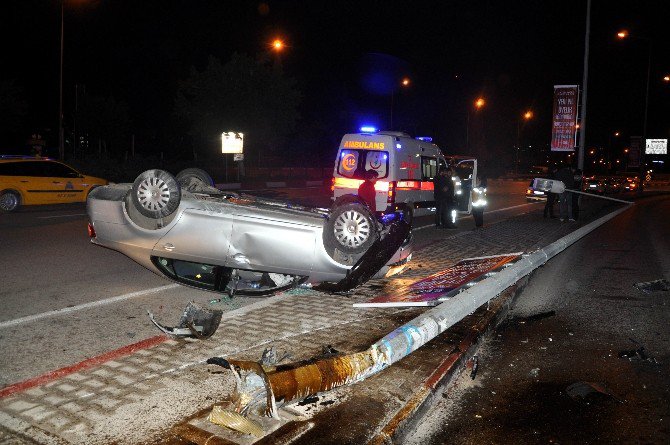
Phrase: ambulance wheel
(156,194)
(351,228)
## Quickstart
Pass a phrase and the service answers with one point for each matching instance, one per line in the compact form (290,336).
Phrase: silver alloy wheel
(153,193)
(352,229)
(9,201)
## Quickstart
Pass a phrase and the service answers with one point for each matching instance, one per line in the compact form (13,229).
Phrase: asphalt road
(579,321)
(65,300)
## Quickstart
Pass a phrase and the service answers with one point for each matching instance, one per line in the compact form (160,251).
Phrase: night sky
(509,52)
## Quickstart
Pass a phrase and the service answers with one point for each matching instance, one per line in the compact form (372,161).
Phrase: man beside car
(443,191)
(567,176)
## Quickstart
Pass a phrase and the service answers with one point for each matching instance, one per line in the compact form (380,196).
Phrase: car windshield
(354,163)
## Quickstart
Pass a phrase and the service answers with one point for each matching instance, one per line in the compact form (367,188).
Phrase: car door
(66,182)
(466,170)
(35,182)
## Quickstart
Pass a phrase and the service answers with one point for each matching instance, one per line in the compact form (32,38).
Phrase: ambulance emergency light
(368,129)
(232,142)
(425,138)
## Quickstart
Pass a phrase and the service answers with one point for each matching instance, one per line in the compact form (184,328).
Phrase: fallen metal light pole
(261,389)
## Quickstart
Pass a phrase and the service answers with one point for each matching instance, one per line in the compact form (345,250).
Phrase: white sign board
(231,142)
(656,147)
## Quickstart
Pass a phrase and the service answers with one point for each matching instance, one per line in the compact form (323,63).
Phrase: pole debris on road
(262,389)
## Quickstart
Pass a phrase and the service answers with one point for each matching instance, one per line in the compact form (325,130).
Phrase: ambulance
(406,168)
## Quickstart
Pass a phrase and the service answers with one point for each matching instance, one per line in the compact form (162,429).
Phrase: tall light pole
(61,133)
(623,34)
(528,115)
(585,83)
(404,83)
(479,104)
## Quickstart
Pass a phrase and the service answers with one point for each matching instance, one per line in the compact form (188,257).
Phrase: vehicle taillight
(332,185)
(91,231)
(391,193)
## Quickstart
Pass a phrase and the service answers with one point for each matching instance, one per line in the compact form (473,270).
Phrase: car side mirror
(548,185)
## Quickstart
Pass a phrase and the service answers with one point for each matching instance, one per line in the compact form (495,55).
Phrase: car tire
(156,194)
(9,200)
(351,228)
(184,177)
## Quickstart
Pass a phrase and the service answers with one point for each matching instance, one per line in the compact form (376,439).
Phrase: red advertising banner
(564,118)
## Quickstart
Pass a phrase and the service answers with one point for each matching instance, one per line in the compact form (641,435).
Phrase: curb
(409,416)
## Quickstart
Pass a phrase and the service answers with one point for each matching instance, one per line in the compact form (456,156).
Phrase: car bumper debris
(196,322)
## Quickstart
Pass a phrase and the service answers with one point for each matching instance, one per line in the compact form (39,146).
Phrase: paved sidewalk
(141,397)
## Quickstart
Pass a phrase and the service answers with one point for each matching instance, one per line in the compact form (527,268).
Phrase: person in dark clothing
(567,177)
(575,197)
(551,197)
(443,191)
(478,212)
(367,190)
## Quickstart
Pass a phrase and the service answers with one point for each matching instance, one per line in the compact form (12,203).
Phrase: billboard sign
(564,118)
(231,142)
(656,147)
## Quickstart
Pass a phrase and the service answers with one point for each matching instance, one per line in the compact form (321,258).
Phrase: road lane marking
(61,216)
(489,212)
(65,310)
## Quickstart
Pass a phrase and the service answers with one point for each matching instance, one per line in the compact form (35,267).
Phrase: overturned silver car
(187,230)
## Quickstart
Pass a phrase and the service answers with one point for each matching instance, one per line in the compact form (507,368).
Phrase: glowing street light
(480,102)
(277,45)
(666,78)
(622,34)
(404,83)
(528,115)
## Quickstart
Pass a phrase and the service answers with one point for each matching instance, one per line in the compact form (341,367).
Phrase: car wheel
(351,228)
(156,194)
(9,201)
(184,177)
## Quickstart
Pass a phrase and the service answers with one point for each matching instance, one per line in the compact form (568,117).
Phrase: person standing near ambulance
(367,190)
(444,198)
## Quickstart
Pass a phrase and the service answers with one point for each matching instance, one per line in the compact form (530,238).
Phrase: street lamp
(277,45)
(623,34)
(61,133)
(528,115)
(479,104)
(666,78)
(404,83)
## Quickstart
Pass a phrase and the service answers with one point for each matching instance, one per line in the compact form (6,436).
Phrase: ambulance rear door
(357,154)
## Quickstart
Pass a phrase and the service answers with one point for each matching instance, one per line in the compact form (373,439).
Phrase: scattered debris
(196,321)
(308,400)
(329,350)
(638,355)
(235,421)
(534,372)
(587,391)
(475,366)
(653,286)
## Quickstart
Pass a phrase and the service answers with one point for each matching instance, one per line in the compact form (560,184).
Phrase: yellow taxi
(28,180)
